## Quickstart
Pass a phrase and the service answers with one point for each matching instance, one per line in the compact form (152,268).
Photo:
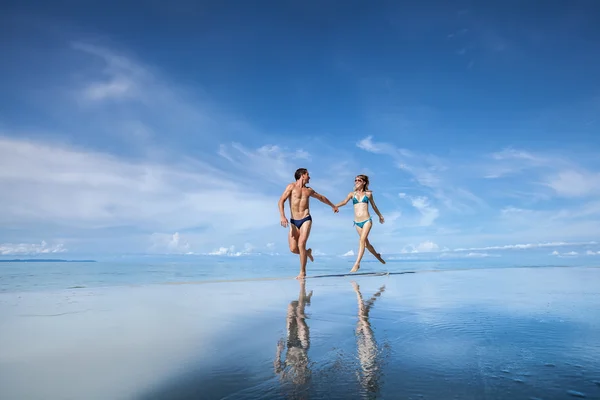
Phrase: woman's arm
(345,201)
(381,220)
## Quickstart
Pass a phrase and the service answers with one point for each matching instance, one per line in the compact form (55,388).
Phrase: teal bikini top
(365,199)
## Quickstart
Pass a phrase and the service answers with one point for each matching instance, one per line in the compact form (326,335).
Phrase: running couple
(299,195)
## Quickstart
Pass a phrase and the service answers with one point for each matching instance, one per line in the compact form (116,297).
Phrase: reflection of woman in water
(365,341)
(298,341)
(361,197)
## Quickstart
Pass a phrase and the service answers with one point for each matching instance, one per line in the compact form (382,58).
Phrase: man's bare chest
(301,194)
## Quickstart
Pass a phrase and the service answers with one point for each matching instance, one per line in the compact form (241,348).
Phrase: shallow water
(474,334)
(38,276)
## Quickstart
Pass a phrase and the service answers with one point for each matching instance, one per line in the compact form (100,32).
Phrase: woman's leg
(362,242)
(374,252)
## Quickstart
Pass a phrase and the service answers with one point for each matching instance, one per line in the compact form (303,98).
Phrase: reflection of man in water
(298,341)
(365,342)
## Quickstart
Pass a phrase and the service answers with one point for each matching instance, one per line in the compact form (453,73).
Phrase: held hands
(335,209)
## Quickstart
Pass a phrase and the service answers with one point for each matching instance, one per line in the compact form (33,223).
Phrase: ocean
(242,328)
(144,270)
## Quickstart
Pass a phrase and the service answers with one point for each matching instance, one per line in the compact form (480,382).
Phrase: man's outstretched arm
(284,196)
(323,199)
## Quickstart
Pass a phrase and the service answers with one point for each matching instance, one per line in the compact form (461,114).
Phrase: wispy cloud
(269,163)
(139,106)
(429,172)
(526,246)
(201,188)
(69,186)
(170,244)
(428,213)
(424,247)
(131,150)
(231,251)
(30,248)
(565,177)
(571,183)
(468,255)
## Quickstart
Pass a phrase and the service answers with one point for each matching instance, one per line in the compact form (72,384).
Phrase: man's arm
(381,220)
(284,196)
(345,201)
(323,199)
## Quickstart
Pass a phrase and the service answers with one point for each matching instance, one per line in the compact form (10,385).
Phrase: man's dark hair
(299,172)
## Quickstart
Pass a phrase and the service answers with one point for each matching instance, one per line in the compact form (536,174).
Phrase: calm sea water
(480,333)
(33,276)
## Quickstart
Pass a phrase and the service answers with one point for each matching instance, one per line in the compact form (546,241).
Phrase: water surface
(474,334)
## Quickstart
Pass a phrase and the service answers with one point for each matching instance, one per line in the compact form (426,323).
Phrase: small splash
(550,365)
(575,393)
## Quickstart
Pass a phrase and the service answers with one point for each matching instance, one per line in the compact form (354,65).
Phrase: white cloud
(565,222)
(96,189)
(565,177)
(480,255)
(428,213)
(71,187)
(349,253)
(525,246)
(468,255)
(269,163)
(368,145)
(570,183)
(114,88)
(232,252)
(424,247)
(430,173)
(565,254)
(512,161)
(170,243)
(163,164)
(30,248)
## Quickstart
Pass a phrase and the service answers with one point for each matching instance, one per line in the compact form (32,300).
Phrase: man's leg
(304,253)
(293,235)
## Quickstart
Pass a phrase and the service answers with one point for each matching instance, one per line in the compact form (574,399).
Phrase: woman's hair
(365,180)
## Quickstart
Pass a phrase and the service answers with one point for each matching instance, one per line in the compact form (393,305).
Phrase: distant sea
(100,272)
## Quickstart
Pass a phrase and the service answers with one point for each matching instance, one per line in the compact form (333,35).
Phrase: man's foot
(381,260)
(309,255)
(355,268)
(301,276)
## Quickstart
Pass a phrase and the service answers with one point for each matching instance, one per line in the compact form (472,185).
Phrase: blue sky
(155,128)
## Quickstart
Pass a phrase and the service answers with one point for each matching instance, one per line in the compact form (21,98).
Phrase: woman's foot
(301,276)
(381,260)
(309,255)
(355,268)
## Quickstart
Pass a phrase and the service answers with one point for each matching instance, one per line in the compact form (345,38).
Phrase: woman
(361,197)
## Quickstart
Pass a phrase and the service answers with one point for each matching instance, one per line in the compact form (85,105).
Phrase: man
(299,195)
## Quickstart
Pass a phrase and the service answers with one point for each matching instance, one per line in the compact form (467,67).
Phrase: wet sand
(513,333)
